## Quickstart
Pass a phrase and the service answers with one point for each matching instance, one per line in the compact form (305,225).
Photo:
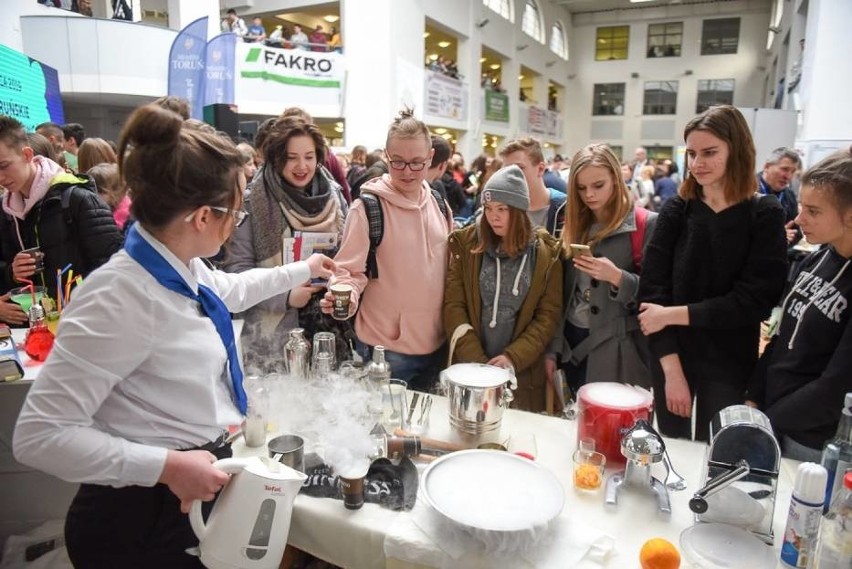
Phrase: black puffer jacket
(85,235)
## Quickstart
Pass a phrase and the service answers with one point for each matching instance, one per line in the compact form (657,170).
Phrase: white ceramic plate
(721,546)
(492,490)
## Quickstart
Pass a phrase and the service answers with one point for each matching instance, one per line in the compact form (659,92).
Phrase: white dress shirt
(137,369)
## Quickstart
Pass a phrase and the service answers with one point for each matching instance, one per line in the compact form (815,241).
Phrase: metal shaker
(297,354)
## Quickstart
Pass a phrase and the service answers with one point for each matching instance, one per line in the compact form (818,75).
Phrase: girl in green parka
(503,296)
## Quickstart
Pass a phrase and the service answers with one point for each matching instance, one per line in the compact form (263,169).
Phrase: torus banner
(270,79)
(186,66)
(219,70)
(29,90)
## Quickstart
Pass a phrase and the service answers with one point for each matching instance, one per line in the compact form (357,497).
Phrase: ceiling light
(520,77)
(447,136)
(433,56)
(494,66)
(339,123)
(639,1)
(483,59)
(331,18)
(443,44)
(338,129)
(426,35)
(440,130)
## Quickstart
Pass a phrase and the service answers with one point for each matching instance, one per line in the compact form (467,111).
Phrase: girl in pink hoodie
(401,309)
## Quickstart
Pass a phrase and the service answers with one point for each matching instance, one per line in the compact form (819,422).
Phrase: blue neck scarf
(143,253)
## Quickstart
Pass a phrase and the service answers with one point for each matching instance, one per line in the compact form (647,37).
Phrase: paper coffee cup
(342,294)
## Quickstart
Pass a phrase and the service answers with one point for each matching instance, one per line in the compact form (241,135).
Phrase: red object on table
(608,410)
(39,342)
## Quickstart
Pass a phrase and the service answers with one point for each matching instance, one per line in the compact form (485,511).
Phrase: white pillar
(826,81)
(184,12)
(383,46)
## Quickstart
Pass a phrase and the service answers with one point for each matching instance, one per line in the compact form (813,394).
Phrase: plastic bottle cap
(810,483)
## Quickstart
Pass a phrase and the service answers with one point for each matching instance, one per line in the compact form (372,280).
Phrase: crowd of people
(282,36)
(569,266)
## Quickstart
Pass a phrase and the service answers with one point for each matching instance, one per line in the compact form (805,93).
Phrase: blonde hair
(528,145)
(579,220)
(406,125)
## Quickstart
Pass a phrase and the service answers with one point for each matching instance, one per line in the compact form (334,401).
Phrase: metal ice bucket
(477,395)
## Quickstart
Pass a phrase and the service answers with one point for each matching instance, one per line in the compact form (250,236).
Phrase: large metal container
(477,395)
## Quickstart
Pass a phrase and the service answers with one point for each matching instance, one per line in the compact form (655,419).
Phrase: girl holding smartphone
(604,235)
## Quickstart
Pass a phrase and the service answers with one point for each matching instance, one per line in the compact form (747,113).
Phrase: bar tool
(642,447)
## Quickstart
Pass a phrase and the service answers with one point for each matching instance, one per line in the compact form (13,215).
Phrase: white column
(469,142)
(383,47)
(184,12)
(826,81)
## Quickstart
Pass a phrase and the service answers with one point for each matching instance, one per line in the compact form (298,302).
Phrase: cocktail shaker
(297,354)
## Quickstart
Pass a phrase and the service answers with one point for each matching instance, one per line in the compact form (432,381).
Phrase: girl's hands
(600,268)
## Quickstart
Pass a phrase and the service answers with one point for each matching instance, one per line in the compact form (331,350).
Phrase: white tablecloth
(377,537)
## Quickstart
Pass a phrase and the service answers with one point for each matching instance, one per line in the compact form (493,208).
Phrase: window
(608,99)
(720,36)
(660,98)
(558,45)
(659,153)
(531,24)
(502,7)
(611,43)
(664,39)
(714,92)
(618,150)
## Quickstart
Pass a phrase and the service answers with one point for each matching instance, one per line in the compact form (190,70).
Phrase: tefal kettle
(250,521)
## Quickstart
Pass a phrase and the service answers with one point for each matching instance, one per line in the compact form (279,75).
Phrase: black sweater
(729,269)
(806,377)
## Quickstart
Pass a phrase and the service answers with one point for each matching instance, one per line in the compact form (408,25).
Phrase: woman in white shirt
(143,378)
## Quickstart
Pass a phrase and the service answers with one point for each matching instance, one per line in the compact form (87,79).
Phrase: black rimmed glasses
(413,166)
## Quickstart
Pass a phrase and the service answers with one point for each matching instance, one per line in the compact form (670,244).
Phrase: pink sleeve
(351,258)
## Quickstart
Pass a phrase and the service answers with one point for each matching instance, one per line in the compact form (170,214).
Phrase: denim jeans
(420,372)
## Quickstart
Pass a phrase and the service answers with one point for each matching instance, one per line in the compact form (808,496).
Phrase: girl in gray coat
(604,236)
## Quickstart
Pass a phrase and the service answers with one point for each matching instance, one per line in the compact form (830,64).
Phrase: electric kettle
(250,521)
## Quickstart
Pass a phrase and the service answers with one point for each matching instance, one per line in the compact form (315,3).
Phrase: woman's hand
(10,312)
(600,268)
(678,397)
(549,367)
(190,475)
(300,295)
(23,266)
(652,318)
(321,266)
(501,361)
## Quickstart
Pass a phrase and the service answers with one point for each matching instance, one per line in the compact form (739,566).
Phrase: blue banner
(219,70)
(186,66)
(29,90)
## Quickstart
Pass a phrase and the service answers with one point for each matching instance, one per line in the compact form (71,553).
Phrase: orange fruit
(658,553)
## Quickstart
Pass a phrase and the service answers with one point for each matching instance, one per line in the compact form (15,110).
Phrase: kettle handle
(228,466)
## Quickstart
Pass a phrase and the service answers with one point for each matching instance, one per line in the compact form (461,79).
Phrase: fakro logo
(294,61)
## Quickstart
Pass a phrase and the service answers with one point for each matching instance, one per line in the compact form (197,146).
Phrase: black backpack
(376,220)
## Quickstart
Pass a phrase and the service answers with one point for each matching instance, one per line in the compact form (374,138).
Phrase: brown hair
(275,146)
(174,104)
(108,182)
(359,154)
(172,168)
(579,219)
(406,125)
(518,234)
(528,145)
(94,151)
(728,124)
(12,132)
(833,175)
(41,145)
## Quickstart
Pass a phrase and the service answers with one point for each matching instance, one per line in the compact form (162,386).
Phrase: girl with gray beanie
(503,296)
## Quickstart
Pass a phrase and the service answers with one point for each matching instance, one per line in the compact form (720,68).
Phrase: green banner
(496,106)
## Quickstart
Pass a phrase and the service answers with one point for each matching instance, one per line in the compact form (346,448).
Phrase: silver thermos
(297,354)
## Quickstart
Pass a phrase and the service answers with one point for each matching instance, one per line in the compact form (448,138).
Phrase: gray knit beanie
(508,185)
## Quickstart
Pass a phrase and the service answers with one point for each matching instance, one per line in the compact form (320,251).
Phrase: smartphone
(319,282)
(578,250)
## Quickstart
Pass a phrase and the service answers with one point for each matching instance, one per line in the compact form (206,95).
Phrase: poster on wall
(268,79)
(496,106)
(446,97)
(29,90)
(542,121)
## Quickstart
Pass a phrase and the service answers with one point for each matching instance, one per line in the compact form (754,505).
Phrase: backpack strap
(442,205)
(637,238)
(65,200)
(376,222)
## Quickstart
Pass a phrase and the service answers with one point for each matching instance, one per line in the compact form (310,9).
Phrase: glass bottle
(39,340)
(297,354)
(837,452)
(834,547)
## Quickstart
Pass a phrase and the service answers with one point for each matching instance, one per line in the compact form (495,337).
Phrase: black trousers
(134,527)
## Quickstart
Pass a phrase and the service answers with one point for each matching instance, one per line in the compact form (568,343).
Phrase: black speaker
(248,130)
(223,118)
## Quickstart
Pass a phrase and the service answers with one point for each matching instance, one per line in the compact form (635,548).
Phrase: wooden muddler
(434,444)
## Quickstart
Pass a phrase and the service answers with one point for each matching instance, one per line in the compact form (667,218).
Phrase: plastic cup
(588,470)
(24,298)
(38,257)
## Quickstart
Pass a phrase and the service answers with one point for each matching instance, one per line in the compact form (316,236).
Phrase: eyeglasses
(238,214)
(413,166)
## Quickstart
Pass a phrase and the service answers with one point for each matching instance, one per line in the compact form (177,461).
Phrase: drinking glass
(523,444)
(324,343)
(394,405)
